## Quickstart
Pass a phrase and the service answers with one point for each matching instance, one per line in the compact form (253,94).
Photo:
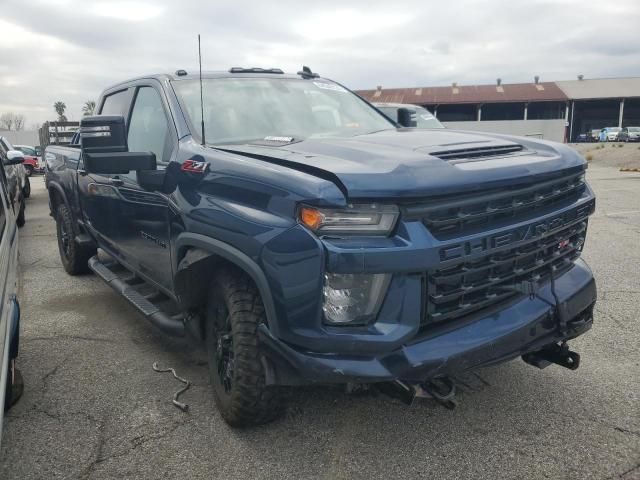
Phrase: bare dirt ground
(611,154)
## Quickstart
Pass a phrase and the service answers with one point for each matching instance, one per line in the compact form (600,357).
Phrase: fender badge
(193,166)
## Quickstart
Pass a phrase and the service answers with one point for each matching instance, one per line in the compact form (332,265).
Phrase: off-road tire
(15,386)
(20,219)
(74,258)
(26,190)
(235,309)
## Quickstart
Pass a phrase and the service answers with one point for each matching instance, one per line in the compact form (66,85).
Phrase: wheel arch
(195,254)
(56,197)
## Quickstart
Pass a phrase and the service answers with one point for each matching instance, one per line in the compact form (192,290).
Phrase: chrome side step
(173,325)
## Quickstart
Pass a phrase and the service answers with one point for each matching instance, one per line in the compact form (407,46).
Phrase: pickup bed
(304,238)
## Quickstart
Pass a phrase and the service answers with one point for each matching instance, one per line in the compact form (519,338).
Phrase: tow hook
(558,354)
(442,390)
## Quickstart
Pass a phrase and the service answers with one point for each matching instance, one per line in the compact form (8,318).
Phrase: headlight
(372,219)
(353,299)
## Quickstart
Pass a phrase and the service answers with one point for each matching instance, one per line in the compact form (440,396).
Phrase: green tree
(60,107)
(89,108)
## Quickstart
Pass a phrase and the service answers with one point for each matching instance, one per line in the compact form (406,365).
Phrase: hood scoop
(478,153)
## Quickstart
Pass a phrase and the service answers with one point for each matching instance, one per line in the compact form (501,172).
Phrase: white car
(610,134)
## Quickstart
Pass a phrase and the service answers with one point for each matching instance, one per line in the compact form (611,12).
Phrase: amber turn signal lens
(310,217)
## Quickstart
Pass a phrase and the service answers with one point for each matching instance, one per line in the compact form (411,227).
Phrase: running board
(173,326)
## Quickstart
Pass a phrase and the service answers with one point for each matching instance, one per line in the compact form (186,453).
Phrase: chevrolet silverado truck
(304,238)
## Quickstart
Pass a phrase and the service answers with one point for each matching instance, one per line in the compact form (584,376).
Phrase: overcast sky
(70,50)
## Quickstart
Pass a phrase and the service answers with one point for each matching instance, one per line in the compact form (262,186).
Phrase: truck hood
(410,163)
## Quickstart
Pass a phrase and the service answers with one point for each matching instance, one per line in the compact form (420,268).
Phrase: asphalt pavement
(94,408)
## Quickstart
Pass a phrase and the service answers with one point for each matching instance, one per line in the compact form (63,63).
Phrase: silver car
(10,380)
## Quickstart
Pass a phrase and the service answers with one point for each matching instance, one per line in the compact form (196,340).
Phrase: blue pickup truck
(302,237)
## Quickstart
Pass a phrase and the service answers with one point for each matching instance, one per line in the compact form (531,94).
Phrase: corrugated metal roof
(601,88)
(515,92)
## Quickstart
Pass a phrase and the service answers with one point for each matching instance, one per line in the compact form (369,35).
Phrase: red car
(31,163)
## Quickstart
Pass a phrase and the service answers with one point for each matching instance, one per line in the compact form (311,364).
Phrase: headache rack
(465,214)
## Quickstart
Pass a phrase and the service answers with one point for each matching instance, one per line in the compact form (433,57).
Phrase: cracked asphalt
(93,407)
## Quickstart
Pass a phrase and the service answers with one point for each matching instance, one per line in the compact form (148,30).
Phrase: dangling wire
(182,406)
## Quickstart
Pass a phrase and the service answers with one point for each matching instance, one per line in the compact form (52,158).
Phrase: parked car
(32,159)
(629,134)
(10,380)
(18,185)
(303,238)
(584,137)
(409,115)
(609,134)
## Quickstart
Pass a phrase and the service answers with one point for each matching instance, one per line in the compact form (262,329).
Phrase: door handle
(117,182)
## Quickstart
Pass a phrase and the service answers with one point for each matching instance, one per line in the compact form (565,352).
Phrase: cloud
(70,50)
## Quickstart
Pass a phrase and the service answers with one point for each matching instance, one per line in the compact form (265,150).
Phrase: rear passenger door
(144,215)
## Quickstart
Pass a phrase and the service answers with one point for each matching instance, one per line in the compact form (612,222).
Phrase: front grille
(469,286)
(476,212)
(478,152)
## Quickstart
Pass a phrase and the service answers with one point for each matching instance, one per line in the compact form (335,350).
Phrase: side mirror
(103,140)
(14,157)
(406,117)
(103,133)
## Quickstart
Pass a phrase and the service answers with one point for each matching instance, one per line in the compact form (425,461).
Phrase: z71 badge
(193,166)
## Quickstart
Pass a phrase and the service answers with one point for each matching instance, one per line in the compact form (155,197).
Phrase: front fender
(206,247)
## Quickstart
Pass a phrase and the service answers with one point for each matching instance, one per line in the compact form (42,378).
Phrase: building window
(503,111)
(545,110)
(457,113)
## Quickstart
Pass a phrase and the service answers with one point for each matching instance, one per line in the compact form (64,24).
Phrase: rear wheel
(20,219)
(29,170)
(237,373)
(74,258)
(26,190)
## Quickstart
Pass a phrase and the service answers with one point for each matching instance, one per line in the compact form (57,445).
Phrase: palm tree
(60,107)
(89,108)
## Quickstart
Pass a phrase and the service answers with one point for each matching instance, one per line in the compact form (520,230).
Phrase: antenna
(201,100)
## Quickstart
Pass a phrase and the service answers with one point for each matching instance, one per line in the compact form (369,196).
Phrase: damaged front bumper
(526,325)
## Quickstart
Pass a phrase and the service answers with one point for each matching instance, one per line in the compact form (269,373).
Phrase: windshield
(634,129)
(28,151)
(241,110)
(422,117)
(613,129)
(425,119)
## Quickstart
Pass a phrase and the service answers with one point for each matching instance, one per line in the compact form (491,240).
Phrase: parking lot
(94,408)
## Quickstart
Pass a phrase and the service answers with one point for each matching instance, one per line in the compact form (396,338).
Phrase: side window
(148,126)
(116,103)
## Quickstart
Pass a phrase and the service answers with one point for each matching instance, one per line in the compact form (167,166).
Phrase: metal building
(556,111)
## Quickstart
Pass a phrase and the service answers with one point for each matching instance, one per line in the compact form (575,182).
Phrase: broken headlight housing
(353,299)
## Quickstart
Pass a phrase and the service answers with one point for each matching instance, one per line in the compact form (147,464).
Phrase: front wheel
(15,386)
(237,373)
(75,259)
